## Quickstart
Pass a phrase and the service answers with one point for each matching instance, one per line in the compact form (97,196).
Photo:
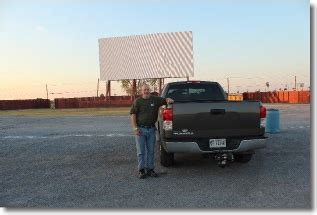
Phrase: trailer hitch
(224,159)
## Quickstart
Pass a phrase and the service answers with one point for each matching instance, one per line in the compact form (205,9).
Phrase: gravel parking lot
(90,162)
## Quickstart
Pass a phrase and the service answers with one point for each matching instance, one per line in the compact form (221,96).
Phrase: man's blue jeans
(146,141)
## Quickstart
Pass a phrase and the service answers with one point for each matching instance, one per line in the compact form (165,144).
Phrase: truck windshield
(195,92)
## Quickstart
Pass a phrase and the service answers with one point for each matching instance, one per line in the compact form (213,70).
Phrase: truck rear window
(192,92)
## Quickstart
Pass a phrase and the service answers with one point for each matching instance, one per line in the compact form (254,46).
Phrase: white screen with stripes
(158,55)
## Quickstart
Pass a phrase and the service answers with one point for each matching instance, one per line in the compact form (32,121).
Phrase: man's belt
(146,126)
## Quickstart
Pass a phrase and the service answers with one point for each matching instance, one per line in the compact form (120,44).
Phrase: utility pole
(46,92)
(133,93)
(98,87)
(295,84)
(228,85)
(160,86)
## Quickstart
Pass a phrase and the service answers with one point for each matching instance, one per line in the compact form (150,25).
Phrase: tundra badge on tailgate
(183,132)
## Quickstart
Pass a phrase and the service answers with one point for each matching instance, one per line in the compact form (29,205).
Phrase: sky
(55,43)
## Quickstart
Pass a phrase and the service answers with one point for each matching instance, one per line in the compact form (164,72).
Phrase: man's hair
(145,85)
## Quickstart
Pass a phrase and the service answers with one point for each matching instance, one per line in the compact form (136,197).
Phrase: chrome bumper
(192,147)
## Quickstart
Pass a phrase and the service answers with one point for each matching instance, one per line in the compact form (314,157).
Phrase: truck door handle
(217,111)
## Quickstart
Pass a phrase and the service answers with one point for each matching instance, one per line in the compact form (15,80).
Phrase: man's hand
(169,101)
(137,131)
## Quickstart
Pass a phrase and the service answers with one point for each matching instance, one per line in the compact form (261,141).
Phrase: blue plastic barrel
(272,121)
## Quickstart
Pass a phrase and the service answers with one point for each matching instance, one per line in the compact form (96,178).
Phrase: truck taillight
(168,119)
(168,114)
(263,116)
(262,112)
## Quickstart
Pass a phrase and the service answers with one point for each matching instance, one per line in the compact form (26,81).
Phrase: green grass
(114,111)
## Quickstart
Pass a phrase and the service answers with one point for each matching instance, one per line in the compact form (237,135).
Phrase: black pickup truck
(202,120)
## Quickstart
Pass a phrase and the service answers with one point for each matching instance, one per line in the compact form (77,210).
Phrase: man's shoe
(151,173)
(142,174)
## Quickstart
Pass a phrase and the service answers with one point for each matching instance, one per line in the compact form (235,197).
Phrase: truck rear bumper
(193,147)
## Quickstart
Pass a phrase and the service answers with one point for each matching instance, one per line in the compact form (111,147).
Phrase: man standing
(144,112)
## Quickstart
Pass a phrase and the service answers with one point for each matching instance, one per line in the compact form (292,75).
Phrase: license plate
(217,143)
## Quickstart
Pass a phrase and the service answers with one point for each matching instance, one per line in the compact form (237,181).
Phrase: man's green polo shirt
(146,110)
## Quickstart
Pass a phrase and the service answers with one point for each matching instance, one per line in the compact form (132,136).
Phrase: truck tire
(167,159)
(243,158)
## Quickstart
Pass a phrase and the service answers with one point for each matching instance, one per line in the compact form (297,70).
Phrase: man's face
(145,91)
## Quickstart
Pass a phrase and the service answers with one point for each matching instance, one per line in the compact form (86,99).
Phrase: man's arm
(164,101)
(133,112)
(134,125)
(133,121)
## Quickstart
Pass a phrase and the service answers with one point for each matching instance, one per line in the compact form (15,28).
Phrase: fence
(24,104)
(293,97)
(90,102)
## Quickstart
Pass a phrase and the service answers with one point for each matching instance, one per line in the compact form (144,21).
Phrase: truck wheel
(167,159)
(243,158)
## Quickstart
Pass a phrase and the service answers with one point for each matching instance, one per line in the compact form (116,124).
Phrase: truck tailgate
(217,119)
